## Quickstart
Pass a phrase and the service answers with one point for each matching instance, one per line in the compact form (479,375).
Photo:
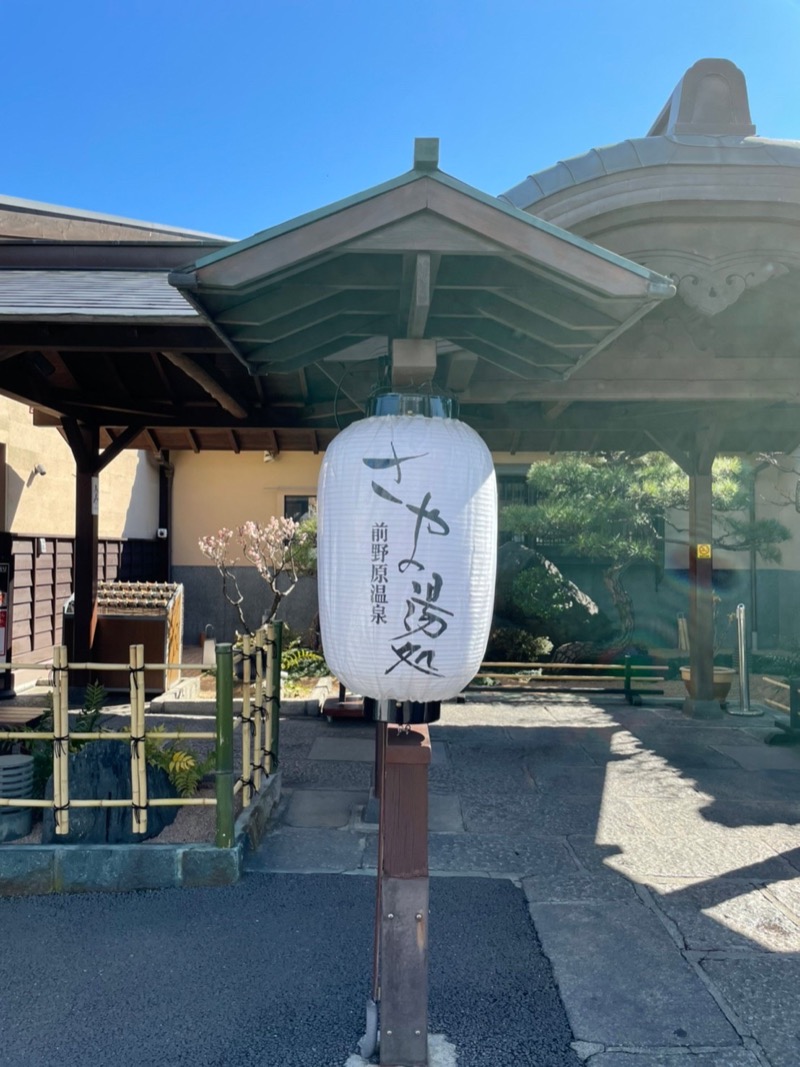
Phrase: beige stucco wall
(45,504)
(216,489)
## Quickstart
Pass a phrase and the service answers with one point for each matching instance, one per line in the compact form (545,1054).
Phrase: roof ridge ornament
(426,153)
(709,100)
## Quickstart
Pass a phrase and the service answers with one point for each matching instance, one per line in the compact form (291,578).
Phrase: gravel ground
(273,972)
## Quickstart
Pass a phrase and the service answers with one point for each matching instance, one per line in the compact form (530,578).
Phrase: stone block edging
(34,870)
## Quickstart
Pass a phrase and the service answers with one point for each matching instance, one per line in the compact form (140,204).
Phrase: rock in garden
(102,769)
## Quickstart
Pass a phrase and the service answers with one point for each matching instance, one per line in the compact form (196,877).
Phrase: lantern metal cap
(430,405)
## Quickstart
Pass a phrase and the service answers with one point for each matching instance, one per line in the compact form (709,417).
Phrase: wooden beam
(526,287)
(460,368)
(340,387)
(421,292)
(605,390)
(305,341)
(162,375)
(509,340)
(357,302)
(352,271)
(129,434)
(550,412)
(536,327)
(62,376)
(153,439)
(235,443)
(314,356)
(105,337)
(191,437)
(302,379)
(280,300)
(207,382)
(513,364)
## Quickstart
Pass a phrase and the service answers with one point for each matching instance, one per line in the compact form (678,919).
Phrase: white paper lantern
(407,548)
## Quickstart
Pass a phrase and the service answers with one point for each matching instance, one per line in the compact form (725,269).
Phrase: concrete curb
(34,870)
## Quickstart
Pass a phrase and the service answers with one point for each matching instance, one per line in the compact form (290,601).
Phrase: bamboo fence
(258,723)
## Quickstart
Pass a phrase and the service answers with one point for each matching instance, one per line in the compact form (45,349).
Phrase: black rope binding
(137,741)
(57,809)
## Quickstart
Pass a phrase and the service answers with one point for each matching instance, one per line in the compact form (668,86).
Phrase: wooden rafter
(550,412)
(332,330)
(208,382)
(163,377)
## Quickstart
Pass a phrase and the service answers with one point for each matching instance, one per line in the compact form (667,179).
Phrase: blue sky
(231,116)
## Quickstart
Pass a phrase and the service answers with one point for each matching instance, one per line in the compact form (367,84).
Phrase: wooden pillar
(701,591)
(84,442)
(403,889)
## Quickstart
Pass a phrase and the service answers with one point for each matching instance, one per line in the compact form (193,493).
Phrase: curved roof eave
(636,154)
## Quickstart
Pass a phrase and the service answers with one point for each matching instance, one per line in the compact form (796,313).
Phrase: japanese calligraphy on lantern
(424,619)
(406,556)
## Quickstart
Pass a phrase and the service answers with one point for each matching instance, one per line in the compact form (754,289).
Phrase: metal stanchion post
(744,667)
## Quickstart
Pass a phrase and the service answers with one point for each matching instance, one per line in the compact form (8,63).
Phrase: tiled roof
(106,294)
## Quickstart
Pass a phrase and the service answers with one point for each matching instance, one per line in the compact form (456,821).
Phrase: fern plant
(296,660)
(182,766)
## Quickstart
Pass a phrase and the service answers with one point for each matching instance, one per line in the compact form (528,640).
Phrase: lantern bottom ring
(402,712)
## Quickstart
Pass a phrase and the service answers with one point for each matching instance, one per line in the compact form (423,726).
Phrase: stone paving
(660,859)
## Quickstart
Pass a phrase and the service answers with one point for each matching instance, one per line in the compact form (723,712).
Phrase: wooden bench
(632,680)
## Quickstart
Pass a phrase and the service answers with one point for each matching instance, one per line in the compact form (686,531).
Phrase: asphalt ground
(273,972)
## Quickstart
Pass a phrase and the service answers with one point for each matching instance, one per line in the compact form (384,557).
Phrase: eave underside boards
(534,426)
(523,319)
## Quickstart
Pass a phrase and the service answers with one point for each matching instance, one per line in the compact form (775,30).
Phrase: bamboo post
(138,758)
(247,724)
(224,756)
(274,641)
(61,739)
(258,736)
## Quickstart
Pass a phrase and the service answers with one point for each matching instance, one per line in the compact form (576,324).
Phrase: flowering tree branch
(217,547)
(280,550)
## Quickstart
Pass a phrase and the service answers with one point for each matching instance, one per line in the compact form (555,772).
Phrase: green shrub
(511,644)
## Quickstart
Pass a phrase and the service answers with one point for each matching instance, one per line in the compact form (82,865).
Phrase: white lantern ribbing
(407,547)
